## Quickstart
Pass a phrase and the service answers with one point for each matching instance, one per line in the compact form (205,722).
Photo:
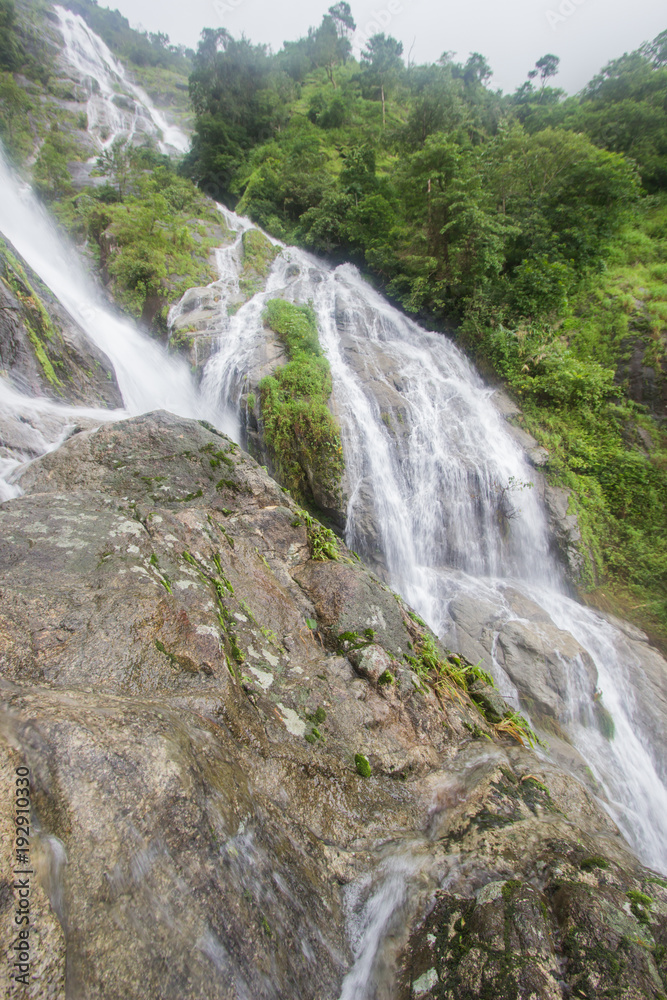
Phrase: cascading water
(30,427)
(430,467)
(147,377)
(116,107)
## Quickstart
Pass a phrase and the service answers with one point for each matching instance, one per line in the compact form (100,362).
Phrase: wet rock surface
(42,350)
(527,645)
(565,531)
(190,691)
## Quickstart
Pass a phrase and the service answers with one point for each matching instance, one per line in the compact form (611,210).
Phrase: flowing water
(436,484)
(116,107)
(428,461)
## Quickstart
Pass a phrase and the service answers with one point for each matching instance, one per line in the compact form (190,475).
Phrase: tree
(342,17)
(15,109)
(547,67)
(382,61)
(9,50)
(357,177)
(476,70)
(330,44)
(51,173)
(116,162)
(623,109)
(239,93)
(656,50)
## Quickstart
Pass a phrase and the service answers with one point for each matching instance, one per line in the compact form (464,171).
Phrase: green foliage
(15,108)
(515,725)
(152,230)
(641,904)
(322,542)
(448,676)
(595,861)
(517,215)
(9,52)
(451,676)
(459,208)
(349,641)
(51,172)
(605,721)
(23,47)
(544,369)
(295,325)
(258,255)
(42,334)
(303,437)
(237,92)
(477,673)
(381,59)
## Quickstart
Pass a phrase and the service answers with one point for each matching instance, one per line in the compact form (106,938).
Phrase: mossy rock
(259,254)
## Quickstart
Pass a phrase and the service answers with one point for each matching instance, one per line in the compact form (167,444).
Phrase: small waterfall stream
(116,106)
(429,463)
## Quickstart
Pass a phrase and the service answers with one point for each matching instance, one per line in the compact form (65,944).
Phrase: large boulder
(539,658)
(240,785)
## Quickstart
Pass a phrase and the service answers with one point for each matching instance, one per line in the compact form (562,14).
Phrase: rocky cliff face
(42,350)
(242,789)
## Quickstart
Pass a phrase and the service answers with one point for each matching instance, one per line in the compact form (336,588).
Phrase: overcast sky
(512,34)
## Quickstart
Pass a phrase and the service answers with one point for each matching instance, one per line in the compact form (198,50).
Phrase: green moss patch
(300,433)
(37,322)
(363,765)
(259,254)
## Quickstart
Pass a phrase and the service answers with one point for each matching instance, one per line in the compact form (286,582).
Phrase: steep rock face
(542,661)
(564,531)
(190,691)
(643,368)
(42,349)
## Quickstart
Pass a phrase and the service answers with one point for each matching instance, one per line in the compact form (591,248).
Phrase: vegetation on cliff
(150,232)
(302,436)
(139,48)
(533,223)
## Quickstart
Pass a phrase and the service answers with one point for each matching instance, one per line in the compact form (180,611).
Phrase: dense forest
(531,226)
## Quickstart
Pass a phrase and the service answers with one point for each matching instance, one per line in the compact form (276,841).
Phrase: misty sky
(511,34)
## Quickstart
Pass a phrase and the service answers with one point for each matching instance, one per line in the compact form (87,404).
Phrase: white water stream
(427,459)
(116,107)
(432,484)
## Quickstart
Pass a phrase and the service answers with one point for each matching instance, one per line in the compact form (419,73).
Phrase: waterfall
(116,107)
(147,377)
(435,482)
(429,461)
